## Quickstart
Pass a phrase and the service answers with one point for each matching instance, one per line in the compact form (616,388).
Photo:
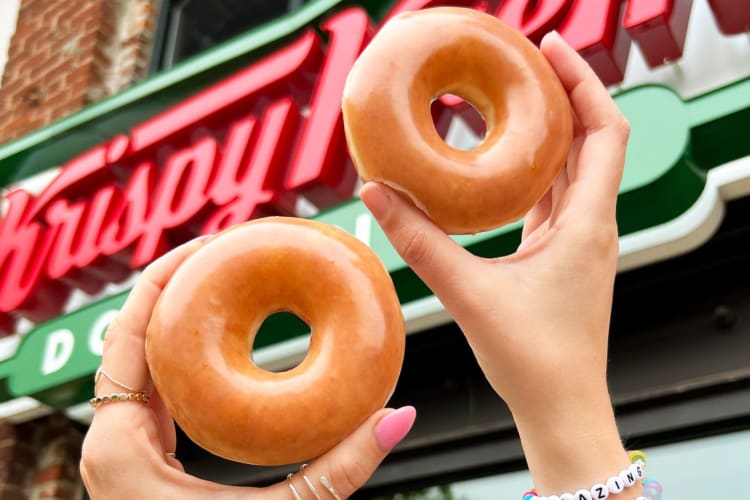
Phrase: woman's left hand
(129,449)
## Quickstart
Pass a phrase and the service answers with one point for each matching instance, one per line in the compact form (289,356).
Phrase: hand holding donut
(538,320)
(128,450)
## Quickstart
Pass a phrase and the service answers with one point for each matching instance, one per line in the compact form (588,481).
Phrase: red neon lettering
(658,27)
(534,18)
(592,29)
(80,170)
(246,185)
(21,243)
(89,227)
(79,226)
(178,197)
(7,322)
(21,269)
(85,225)
(233,164)
(589,26)
(314,171)
(128,212)
(732,16)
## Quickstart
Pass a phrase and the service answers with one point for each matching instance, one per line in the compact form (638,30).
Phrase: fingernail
(394,427)
(377,199)
(202,237)
(553,34)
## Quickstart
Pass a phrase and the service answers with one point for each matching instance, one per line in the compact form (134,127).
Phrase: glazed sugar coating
(419,56)
(199,337)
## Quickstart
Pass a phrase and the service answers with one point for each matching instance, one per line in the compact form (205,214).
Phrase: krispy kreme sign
(122,203)
(269,137)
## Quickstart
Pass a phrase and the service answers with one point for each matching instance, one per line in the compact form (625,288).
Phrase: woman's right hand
(536,317)
(538,320)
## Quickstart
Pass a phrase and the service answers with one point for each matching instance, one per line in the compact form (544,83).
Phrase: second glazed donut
(416,58)
(201,334)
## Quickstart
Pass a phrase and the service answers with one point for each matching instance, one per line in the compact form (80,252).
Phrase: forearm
(571,441)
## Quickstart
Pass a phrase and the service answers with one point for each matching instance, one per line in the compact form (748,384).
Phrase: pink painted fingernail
(393,427)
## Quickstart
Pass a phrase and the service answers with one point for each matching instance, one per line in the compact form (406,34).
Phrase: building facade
(128,127)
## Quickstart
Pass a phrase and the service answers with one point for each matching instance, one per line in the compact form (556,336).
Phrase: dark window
(188,27)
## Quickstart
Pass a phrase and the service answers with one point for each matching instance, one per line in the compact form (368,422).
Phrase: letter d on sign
(57,350)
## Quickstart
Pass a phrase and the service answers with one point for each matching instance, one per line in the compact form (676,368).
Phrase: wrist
(572,443)
(539,400)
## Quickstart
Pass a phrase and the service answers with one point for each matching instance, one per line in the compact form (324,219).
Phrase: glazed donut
(416,58)
(202,329)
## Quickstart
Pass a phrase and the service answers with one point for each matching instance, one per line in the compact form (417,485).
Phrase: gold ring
(97,401)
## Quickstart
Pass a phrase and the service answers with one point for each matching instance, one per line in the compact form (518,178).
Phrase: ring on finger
(98,401)
(102,372)
(323,481)
(328,486)
(291,487)
(308,482)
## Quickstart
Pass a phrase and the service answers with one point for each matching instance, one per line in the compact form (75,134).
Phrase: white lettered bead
(553,497)
(628,477)
(615,485)
(641,498)
(639,470)
(599,492)
(567,496)
(583,495)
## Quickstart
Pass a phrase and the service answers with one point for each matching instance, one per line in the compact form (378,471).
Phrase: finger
(591,102)
(348,466)
(124,356)
(172,461)
(165,423)
(431,253)
(545,213)
(560,195)
(605,130)
(538,214)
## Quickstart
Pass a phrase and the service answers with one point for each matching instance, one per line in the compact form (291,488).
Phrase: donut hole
(458,122)
(280,326)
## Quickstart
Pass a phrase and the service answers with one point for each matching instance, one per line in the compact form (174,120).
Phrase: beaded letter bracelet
(627,477)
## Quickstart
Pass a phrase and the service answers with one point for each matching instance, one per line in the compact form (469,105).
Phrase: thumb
(348,466)
(425,248)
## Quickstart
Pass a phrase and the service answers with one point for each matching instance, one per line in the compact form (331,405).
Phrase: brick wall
(67,54)
(39,460)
